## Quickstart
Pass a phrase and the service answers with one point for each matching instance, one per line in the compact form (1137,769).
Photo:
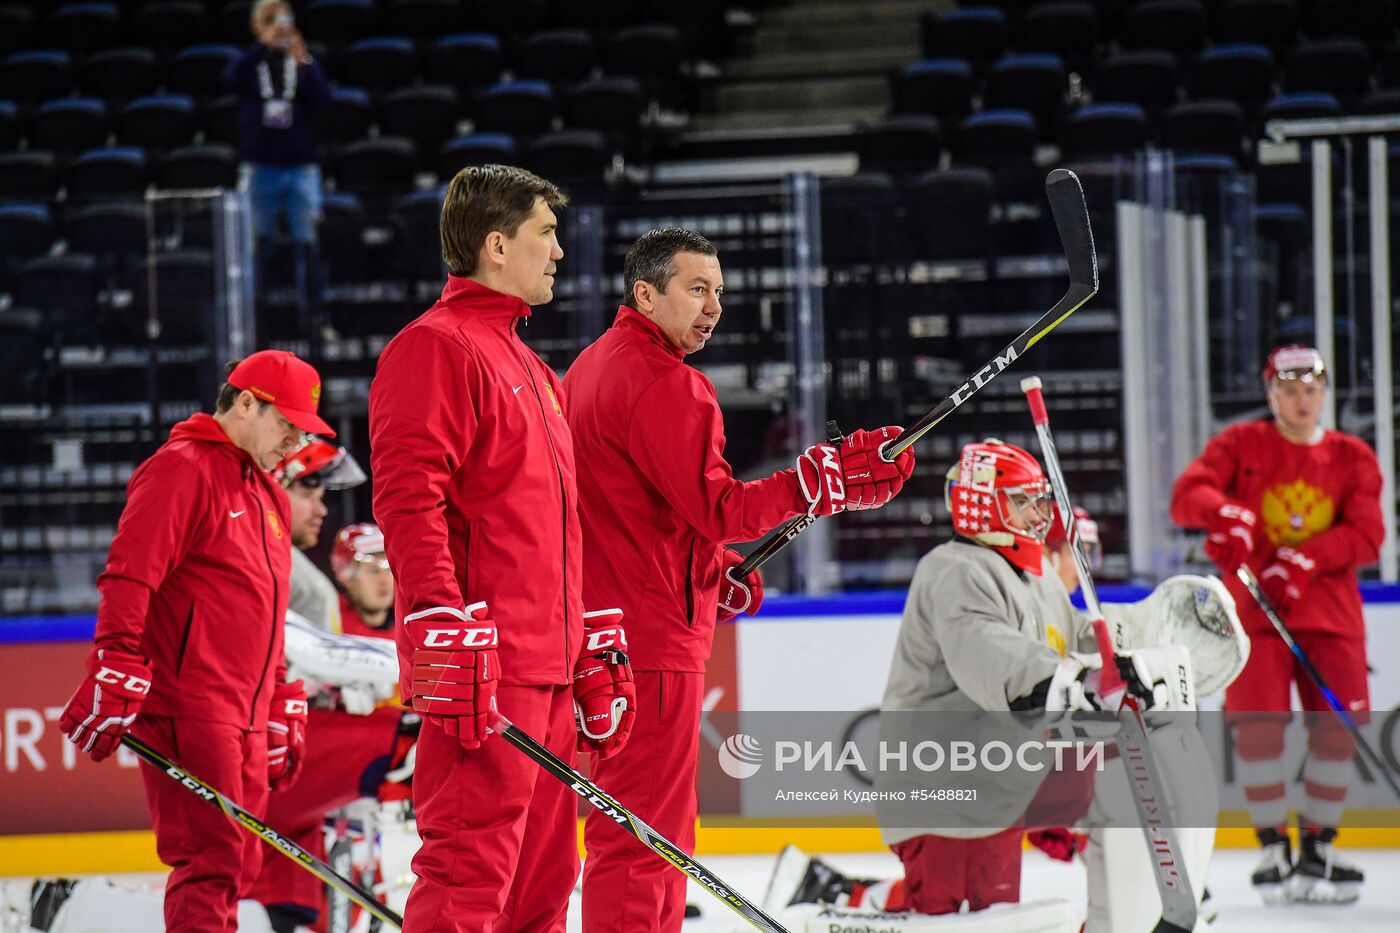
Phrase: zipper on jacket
(184,641)
(276,593)
(563,497)
(690,586)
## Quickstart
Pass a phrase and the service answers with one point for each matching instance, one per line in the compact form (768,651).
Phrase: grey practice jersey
(312,594)
(979,634)
(976,635)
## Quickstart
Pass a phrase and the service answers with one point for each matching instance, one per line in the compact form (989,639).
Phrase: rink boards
(830,654)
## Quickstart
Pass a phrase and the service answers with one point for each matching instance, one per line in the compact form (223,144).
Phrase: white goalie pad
(1197,613)
(341,660)
(1046,916)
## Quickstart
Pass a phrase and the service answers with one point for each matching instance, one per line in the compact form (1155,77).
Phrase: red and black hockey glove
(1286,578)
(455,669)
(106,702)
(852,476)
(605,698)
(735,595)
(1060,844)
(286,734)
(1230,537)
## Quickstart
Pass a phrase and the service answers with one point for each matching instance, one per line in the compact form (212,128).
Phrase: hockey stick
(1071,215)
(630,823)
(1163,848)
(258,828)
(1252,584)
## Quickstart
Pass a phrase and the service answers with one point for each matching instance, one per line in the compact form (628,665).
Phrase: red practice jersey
(1321,499)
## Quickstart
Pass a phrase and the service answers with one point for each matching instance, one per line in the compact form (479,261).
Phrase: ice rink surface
(1239,908)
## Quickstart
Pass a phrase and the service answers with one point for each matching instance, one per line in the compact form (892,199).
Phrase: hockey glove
(455,669)
(1230,536)
(1160,678)
(736,596)
(106,702)
(852,476)
(1060,844)
(286,734)
(1286,577)
(605,698)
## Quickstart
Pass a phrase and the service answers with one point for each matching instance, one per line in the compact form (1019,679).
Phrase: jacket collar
(630,318)
(201,426)
(469,296)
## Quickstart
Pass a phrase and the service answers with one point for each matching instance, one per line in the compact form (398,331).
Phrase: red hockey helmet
(317,463)
(998,496)
(1088,535)
(362,543)
(1294,361)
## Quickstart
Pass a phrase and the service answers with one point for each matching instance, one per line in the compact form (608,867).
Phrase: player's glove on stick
(106,702)
(286,734)
(1286,577)
(1230,536)
(455,669)
(1160,678)
(605,698)
(852,476)
(738,595)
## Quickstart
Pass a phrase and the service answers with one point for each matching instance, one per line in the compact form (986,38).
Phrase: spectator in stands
(280,87)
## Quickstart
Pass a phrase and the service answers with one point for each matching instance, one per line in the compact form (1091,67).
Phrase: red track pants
(213,859)
(500,844)
(626,886)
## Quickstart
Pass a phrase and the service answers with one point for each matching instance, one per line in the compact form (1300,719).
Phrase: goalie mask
(998,496)
(317,463)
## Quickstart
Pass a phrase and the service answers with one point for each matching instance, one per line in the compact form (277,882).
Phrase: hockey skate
(800,879)
(1320,877)
(1270,879)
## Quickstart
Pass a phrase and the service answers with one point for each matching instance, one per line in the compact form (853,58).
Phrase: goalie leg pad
(1045,916)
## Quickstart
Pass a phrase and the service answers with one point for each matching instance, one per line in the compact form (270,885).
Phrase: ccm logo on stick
(131,682)
(460,638)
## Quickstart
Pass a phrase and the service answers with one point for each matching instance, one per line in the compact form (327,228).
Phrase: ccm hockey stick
(1252,584)
(630,823)
(1071,215)
(1149,796)
(269,835)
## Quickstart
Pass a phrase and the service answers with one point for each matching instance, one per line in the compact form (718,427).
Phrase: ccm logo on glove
(137,685)
(601,638)
(460,638)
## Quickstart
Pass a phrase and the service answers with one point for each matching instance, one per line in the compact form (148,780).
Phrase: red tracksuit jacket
(196,578)
(658,500)
(1322,499)
(474,481)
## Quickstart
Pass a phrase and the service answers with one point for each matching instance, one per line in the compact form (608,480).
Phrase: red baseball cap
(289,383)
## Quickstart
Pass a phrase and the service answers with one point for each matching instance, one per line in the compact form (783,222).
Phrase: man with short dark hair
(475,493)
(658,503)
(188,648)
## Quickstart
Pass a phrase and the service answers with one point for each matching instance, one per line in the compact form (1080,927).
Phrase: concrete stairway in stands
(804,75)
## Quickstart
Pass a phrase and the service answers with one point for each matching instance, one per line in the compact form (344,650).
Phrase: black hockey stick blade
(260,829)
(1071,213)
(1246,576)
(633,825)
